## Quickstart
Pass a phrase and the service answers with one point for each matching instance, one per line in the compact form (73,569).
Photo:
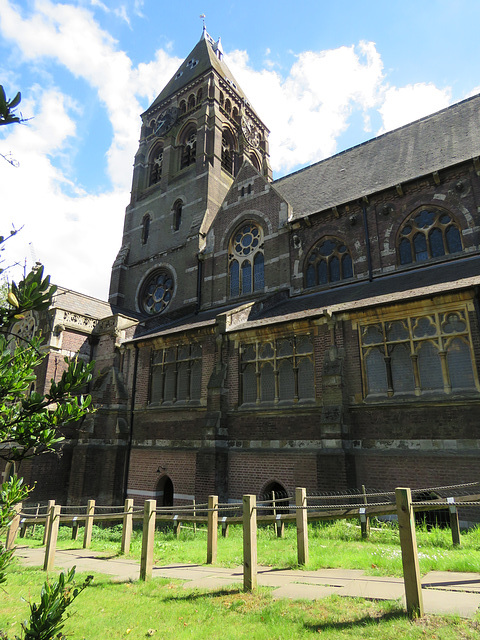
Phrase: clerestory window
(228,151)
(428,233)
(328,261)
(246,261)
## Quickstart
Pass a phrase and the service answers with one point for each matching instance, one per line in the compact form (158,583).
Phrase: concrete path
(443,592)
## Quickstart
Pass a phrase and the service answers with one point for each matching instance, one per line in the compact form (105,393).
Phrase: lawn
(164,609)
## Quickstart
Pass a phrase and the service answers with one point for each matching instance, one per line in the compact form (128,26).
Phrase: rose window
(157,292)
(246,240)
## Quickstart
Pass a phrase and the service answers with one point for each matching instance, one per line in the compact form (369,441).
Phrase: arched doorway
(277,492)
(165,492)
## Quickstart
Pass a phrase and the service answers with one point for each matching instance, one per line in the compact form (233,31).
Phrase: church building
(321,330)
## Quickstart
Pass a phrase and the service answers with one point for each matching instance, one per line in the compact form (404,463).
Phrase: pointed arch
(188,145)
(328,261)
(177,214)
(155,164)
(165,492)
(229,150)
(246,260)
(428,232)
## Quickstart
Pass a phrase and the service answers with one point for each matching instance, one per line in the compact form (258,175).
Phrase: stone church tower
(194,139)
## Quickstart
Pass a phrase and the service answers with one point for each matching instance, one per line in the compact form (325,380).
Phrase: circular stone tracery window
(246,240)
(157,291)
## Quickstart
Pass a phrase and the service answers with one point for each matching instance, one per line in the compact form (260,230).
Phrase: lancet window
(246,260)
(427,353)
(277,371)
(328,261)
(176,375)
(428,233)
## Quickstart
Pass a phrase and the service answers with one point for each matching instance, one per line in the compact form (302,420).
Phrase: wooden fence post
(148,536)
(212,529)
(54,523)
(13,528)
(249,542)
(454,523)
(408,543)
(87,535)
(280,526)
(50,504)
(36,516)
(364,519)
(302,525)
(127,525)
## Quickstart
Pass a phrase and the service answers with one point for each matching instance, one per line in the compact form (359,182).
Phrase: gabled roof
(433,143)
(208,55)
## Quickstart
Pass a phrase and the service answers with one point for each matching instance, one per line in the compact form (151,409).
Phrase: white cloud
(406,104)
(309,109)
(77,234)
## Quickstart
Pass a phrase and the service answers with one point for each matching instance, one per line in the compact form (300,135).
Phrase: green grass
(331,545)
(163,609)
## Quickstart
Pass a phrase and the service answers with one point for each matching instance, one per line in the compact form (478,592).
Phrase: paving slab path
(443,592)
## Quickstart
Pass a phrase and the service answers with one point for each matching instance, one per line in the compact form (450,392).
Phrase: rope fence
(300,509)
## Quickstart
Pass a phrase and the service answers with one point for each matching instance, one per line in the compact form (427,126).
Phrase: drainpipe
(130,435)
(363,202)
(199,283)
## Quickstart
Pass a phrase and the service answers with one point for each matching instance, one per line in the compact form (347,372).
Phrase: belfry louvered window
(425,353)
(176,375)
(277,371)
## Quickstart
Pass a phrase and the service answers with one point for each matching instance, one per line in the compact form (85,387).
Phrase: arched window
(328,261)
(428,233)
(155,165)
(246,261)
(228,151)
(191,101)
(222,99)
(189,147)
(177,215)
(228,106)
(157,291)
(183,106)
(145,228)
(235,113)
(199,96)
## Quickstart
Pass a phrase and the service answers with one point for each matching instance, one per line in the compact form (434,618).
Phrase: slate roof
(80,303)
(431,280)
(433,143)
(207,59)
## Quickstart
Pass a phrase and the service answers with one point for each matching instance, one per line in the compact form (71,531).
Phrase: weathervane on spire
(202,16)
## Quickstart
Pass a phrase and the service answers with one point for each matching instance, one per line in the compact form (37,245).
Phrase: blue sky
(323,76)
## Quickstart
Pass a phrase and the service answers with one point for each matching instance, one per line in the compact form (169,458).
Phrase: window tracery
(328,261)
(246,260)
(157,291)
(418,354)
(228,151)
(189,148)
(278,371)
(156,166)
(428,233)
(176,375)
